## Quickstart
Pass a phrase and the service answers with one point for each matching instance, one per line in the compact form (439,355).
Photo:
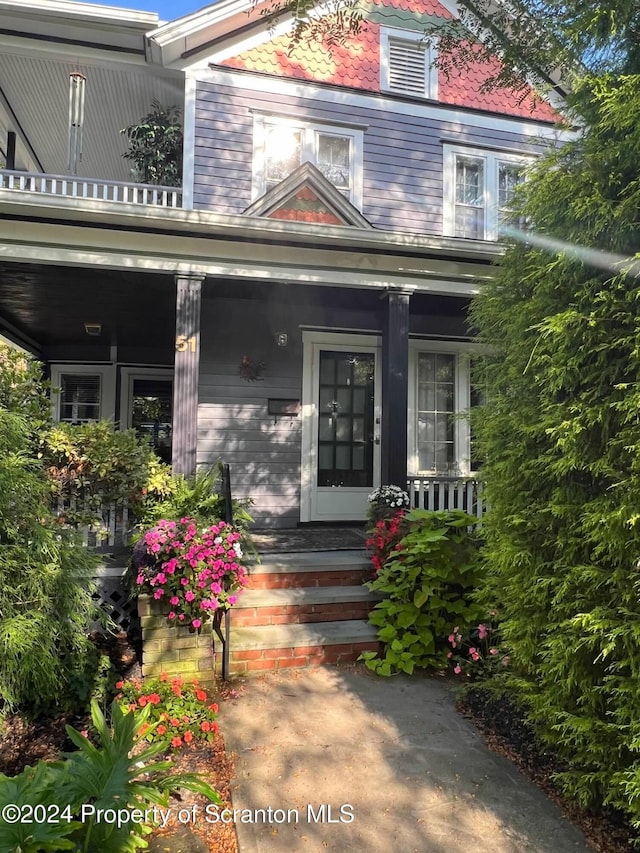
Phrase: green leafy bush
(79,793)
(180,712)
(92,466)
(22,388)
(155,146)
(426,586)
(198,497)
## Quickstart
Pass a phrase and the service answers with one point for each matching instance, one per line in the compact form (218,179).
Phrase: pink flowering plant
(476,652)
(192,572)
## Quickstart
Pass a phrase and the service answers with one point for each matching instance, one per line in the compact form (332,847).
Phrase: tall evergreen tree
(561,439)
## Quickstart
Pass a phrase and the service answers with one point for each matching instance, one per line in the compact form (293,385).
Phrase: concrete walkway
(396,768)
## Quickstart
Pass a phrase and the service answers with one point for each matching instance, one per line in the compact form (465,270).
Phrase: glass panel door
(151,410)
(346,419)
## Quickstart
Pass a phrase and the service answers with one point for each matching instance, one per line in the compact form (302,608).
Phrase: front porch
(238,365)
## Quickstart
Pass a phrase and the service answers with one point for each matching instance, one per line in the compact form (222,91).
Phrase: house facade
(298,307)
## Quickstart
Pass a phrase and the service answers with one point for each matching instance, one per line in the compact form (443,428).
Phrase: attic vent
(407,63)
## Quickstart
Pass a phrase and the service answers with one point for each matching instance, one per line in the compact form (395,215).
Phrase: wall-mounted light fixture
(282,339)
(94,330)
(76,120)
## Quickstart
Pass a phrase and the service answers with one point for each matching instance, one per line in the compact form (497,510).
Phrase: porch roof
(44,308)
(78,232)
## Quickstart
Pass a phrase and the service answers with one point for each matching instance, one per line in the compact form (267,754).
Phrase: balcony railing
(438,493)
(87,188)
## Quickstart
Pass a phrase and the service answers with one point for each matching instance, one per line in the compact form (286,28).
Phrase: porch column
(395,378)
(185,378)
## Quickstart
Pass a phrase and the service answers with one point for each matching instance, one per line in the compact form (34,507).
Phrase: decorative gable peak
(307,196)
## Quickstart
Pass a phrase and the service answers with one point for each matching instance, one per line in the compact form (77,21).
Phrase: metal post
(228,517)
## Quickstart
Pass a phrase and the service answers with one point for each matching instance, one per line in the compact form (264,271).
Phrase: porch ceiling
(35,84)
(51,304)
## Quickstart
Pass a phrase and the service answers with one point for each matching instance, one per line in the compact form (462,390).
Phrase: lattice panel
(118,603)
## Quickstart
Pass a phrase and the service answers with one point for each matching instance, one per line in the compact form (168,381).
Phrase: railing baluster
(446,493)
(69,185)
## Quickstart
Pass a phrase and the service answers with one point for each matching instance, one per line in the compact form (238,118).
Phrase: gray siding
(402,169)
(233,420)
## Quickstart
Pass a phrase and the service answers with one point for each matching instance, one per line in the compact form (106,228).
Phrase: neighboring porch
(96,189)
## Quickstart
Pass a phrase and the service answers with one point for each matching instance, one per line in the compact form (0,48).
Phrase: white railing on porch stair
(444,492)
(72,186)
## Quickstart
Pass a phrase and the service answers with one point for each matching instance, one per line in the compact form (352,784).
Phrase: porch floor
(325,538)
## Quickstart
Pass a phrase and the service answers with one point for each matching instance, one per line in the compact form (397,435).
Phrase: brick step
(268,647)
(302,604)
(310,569)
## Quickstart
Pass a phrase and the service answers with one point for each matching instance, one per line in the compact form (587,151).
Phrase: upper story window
(281,145)
(478,191)
(407,64)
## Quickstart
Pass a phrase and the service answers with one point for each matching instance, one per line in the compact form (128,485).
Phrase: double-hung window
(479,188)
(281,145)
(82,393)
(439,396)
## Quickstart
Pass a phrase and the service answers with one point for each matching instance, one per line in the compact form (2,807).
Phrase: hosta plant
(78,794)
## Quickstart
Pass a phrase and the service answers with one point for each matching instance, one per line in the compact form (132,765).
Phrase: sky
(168,10)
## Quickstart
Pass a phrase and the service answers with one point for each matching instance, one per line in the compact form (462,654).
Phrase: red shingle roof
(356,65)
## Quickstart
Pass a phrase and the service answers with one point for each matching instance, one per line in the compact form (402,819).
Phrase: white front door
(340,427)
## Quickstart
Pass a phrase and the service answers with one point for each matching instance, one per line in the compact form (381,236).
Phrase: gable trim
(308,175)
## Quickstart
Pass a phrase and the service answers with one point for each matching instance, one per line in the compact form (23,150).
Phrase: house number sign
(183,343)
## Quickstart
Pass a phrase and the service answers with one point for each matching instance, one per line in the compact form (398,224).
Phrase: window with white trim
(439,395)
(281,145)
(82,393)
(479,188)
(407,64)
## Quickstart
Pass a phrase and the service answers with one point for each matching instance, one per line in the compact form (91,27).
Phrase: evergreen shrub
(560,436)
(46,657)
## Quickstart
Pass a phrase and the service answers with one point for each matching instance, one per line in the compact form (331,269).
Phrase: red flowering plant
(384,538)
(180,711)
(388,506)
(193,573)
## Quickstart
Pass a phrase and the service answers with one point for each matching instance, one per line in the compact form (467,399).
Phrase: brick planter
(174,649)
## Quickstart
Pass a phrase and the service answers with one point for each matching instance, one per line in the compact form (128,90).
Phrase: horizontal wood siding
(233,419)
(402,169)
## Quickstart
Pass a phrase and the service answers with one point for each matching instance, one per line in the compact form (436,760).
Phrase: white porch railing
(88,188)
(441,493)
(111,526)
